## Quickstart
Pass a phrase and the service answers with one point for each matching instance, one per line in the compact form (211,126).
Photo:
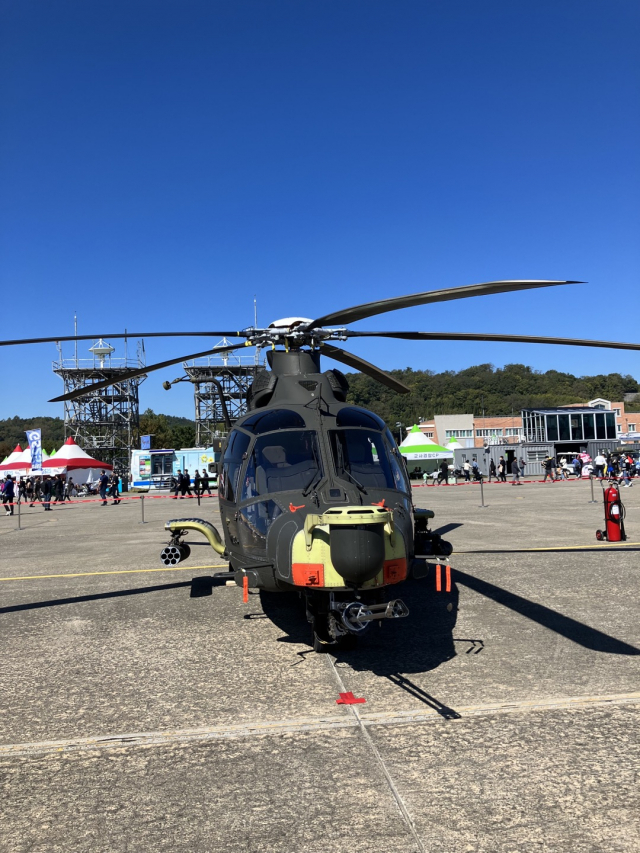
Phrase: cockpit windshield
(361,456)
(281,462)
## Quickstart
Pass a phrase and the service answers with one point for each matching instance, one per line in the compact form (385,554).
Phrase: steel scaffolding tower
(216,379)
(105,423)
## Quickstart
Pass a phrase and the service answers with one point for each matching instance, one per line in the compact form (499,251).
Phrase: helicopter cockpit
(284,455)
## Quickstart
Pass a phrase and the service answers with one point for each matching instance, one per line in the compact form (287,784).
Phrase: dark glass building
(569,429)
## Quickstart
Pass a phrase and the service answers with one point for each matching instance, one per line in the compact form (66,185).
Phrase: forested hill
(500,391)
(497,392)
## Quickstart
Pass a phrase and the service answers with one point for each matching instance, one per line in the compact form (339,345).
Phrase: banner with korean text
(34,437)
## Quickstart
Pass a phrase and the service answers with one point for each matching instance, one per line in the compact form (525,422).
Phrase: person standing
(8,494)
(205,482)
(114,488)
(515,470)
(600,463)
(58,489)
(502,470)
(443,476)
(522,464)
(186,484)
(46,493)
(548,466)
(103,485)
(197,483)
(625,468)
(492,470)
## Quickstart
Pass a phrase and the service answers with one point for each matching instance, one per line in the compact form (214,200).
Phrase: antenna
(255,312)
(75,332)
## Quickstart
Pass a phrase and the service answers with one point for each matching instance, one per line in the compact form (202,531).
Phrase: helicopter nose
(357,551)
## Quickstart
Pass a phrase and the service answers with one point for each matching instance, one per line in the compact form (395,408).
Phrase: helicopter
(314,494)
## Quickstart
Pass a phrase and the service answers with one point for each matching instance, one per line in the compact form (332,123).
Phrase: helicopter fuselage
(313,491)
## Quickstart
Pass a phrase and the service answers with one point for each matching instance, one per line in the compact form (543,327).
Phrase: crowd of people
(180,485)
(471,470)
(618,466)
(56,488)
(50,489)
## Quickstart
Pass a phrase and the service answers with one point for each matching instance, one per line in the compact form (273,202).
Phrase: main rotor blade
(140,371)
(514,339)
(370,309)
(364,367)
(122,335)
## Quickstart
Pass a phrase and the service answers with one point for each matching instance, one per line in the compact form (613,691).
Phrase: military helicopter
(314,494)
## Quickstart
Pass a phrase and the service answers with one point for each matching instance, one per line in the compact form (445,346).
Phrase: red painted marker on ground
(349,699)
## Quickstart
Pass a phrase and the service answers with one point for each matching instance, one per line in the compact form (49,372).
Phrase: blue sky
(162,163)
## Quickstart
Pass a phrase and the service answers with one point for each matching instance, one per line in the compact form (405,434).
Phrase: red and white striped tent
(72,459)
(15,463)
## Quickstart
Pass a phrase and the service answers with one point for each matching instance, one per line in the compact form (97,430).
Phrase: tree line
(484,388)
(481,389)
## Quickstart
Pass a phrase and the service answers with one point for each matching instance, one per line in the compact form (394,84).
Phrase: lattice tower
(105,423)
(228,375)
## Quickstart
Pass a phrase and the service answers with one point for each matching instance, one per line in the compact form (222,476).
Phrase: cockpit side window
(282,462)
(398,465)
(234,456)
(360,456)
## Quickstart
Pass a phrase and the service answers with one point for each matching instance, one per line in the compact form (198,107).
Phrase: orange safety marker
(438,578)
(245,589)
(448,578)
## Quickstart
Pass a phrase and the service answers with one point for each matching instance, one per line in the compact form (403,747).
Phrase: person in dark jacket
(515,470)
(178,488)
(204,482)
(114,488)
(443,476)
(186,484)
(492,470)
(549,466)
(8,494)
(197,483)
(103,486)
(58,489)
(46,493)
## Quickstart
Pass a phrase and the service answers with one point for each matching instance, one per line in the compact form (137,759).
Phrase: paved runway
(145,712)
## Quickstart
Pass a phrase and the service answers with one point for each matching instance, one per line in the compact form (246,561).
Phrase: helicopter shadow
(420,643)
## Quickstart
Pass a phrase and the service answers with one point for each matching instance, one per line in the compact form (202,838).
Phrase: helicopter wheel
(324,642)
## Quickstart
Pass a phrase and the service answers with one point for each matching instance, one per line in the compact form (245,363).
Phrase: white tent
(453,444)
(420,452)
(417,447)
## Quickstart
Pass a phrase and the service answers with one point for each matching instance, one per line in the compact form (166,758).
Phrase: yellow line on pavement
(603,545)
(118,572)
(596,545)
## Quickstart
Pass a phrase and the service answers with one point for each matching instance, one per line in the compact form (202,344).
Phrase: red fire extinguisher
(614,513)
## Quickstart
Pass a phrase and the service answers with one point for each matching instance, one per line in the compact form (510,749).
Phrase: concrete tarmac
(144,710)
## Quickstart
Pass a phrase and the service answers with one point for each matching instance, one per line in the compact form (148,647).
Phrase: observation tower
(106,422)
